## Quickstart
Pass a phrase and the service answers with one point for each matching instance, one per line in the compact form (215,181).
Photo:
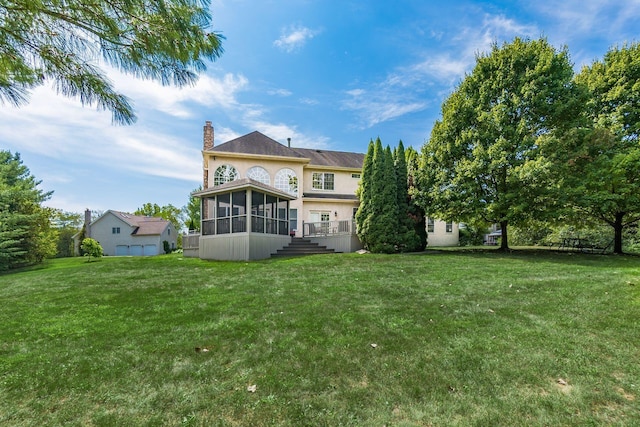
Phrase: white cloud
(294,37)
(280,92)
(280,132)
(207,91)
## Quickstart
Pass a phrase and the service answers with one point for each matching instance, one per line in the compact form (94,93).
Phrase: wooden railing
(328,228)
(191,240)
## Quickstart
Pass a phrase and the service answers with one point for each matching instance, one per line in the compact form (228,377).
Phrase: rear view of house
(258,195)
(120,233)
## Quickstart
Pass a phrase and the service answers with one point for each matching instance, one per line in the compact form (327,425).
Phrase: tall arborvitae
(408,240)
(416,212)
(384,222)
(364,194)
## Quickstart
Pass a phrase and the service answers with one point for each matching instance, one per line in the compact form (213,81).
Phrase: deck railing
(328,228)
(191,240)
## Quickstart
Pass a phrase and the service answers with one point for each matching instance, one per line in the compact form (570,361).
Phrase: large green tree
(26,235)
(191,212)
(483,158)
(603,172)
(65,42)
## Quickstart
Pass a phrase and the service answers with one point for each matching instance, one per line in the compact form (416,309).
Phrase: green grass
(463,338)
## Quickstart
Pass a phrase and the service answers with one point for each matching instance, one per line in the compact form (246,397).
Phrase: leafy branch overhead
(66,43)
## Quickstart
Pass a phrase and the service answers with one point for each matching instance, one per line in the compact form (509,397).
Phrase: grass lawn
(442,339)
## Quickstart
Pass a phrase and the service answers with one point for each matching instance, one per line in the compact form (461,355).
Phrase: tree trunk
(504,242)
(617,228)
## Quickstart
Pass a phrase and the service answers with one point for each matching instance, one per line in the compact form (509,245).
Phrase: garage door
(122,250)
(135,250)
(150,250)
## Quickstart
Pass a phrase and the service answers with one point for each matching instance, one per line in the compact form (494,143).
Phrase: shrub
(91,248)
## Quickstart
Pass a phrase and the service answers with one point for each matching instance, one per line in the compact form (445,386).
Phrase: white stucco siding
(242,165)
(441,237)
(344,183)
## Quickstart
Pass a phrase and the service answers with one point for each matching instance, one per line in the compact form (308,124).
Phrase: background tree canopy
(65,43)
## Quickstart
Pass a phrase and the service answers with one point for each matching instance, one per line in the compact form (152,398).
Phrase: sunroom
(242,220)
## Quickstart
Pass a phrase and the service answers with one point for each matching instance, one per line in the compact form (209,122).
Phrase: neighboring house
(121,233)
(257,192)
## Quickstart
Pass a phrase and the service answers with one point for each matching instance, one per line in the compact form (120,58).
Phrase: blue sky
(327,74)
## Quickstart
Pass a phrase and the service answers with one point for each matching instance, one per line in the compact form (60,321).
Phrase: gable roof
(259,144)
(256,143)
(143,225)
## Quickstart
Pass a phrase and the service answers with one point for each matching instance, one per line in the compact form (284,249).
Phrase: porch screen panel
(239,211)
(271,213)
(257,212)
(283,220)
(223,211)
(208,222)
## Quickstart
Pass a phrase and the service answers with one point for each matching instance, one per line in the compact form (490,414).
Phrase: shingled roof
(144,225)
(260,144)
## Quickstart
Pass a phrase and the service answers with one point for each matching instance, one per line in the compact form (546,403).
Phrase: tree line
(524,140)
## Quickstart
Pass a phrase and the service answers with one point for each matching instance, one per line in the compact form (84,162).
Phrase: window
(293,219)
(259,174)
(115,230)
(449,227)
(323,181)
(224,174)
(287,181)
(430,225)
(355,175)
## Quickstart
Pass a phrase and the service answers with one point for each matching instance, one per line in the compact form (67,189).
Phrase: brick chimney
(87,223)
(207,136)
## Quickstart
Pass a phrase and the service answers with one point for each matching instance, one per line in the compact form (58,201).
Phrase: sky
(328,74)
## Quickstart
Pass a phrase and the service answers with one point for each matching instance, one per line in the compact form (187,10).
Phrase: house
(258,193)
(121,233)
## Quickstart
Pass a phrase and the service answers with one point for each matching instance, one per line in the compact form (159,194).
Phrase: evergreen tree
(363,215)
(408,240)
(384,209)
(61,41)
(26,236)
(416,212)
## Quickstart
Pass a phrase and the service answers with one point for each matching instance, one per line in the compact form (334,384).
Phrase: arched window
(225,173)
(287,181)
(259,174)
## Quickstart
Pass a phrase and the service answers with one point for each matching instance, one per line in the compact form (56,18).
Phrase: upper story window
(287,181)
(225,173)
(323,181)
(260,174)
(355,175)
(115,230)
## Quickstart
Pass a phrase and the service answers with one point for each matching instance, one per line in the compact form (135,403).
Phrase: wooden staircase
(300,246)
